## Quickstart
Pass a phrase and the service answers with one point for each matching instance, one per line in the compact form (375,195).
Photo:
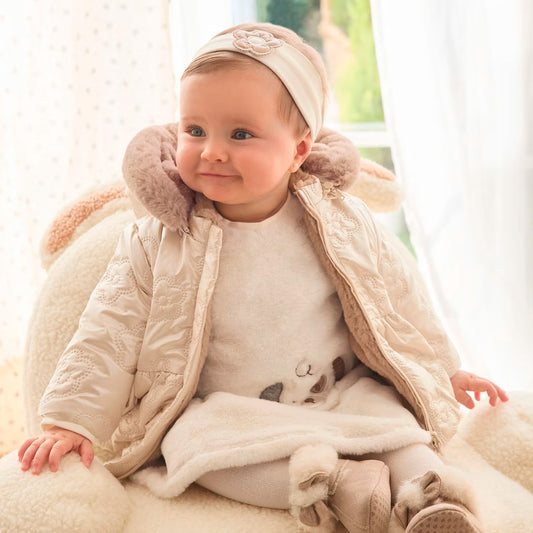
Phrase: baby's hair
(213,61)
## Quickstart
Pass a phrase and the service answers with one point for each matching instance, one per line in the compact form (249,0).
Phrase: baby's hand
(51,446)
(462,382)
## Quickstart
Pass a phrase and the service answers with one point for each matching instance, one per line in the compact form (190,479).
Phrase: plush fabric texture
(517,419)
(76,499)
(494,446)
(378,187)
(73,220)
(152,152)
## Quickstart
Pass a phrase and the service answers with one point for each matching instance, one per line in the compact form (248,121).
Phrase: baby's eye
(195,131)
(241,135)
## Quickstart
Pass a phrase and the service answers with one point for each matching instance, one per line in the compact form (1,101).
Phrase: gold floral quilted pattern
(74,367)
(341,228)
(118,280)
(127,340)
(170,299)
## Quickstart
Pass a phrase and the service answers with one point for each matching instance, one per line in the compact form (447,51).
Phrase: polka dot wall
(11,413)
(77,81)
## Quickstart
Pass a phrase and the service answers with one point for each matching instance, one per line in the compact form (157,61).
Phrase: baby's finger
(502,394)
(86,453)
(29,453)
(465,399)
(60,449)
(41,456)
(25,445)
(484,385)
(477,394)
(490,389)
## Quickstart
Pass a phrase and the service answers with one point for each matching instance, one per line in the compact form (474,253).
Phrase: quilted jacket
(134,363)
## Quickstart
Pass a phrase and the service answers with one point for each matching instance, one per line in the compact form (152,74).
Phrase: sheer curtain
(192,24)
(77,81)
(457,83)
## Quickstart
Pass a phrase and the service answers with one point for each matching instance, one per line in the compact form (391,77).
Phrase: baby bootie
(324,490)
(436,503)
(360,496)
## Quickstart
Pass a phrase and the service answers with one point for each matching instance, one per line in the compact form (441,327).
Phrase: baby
(262,291)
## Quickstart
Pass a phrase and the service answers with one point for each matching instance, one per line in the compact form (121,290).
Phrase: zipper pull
(331,191)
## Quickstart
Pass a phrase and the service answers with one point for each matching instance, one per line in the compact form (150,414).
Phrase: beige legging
(267,484)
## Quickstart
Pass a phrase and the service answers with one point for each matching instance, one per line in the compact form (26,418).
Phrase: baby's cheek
(186,168)
(182,160)
(187,154)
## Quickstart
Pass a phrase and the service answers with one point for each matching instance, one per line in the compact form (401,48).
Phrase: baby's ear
(377,187)
(303,148)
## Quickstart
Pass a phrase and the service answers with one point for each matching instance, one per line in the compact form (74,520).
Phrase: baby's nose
(215,151)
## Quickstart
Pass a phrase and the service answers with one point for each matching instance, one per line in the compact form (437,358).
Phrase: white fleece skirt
(225,430)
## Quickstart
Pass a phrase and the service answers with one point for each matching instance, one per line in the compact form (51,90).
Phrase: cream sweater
(278,331)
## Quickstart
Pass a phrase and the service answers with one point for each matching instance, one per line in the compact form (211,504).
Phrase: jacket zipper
(311,209)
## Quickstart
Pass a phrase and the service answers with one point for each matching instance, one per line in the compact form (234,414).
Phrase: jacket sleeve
(92,383)
(410,298)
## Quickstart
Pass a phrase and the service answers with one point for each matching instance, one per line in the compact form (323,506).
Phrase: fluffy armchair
(494,445)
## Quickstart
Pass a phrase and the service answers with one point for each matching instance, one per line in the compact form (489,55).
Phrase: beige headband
(296,72)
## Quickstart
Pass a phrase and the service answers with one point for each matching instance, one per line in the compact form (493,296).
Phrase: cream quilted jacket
(134,363)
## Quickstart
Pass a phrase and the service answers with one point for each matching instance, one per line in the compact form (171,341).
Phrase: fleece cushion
(76,499)
(503,436)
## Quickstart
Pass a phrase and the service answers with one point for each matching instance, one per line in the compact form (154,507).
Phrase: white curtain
(457,84)
(192,24)
(77,81)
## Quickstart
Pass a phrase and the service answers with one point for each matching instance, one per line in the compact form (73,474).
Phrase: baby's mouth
(216,175)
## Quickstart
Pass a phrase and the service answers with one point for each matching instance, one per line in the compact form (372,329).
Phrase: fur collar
(150,171)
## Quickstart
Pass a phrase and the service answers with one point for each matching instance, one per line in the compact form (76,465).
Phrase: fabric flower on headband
(255,42)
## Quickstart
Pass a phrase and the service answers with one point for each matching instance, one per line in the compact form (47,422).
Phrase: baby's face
(233,146)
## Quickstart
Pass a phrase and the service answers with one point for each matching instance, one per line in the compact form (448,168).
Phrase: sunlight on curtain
(77,81)
(192,24)
(457,85)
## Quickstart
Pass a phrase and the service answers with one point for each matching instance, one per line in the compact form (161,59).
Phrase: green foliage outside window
(301,16)
(357,88)
(289,13)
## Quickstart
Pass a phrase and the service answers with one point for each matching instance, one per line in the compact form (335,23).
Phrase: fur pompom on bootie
(310,470)
(325,490)
(437,502)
